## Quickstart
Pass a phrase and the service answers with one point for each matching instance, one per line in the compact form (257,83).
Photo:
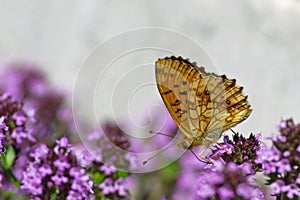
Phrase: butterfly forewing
(173,80)
(202,104)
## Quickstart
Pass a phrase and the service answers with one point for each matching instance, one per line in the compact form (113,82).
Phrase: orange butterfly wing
(173,78)
(202,104)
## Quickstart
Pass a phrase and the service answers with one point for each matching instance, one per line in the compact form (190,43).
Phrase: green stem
(12,178)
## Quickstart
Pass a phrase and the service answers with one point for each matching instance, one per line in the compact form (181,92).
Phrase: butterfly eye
(185,144)
(228,102)
(206,92)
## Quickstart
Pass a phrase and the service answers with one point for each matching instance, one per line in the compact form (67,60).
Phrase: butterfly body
(202,104)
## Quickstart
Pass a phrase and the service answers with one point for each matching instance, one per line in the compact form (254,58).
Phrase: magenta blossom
(280,162)
(51,170)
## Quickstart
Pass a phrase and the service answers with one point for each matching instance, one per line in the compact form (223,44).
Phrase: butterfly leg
(202,159)
(203,150)
(206,144)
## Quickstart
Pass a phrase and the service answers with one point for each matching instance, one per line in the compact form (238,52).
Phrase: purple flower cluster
(109,182)
(25,100)
(233,169)
(238,150)
(27,84)
(281,161)
(14,123)
(110,144)
(46,169)
(55,173)
(226,181)
(111,187)
(17,134)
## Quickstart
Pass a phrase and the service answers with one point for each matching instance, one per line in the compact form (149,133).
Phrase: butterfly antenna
(159,152)
(158,133)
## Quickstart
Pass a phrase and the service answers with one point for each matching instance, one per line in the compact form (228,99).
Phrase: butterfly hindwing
(231,106)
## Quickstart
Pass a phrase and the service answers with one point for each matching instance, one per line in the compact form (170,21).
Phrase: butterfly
(202,104)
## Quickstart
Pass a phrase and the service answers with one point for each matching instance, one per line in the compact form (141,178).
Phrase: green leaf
(8,194)
(53,196)
(55,193)
(122,174)
(9,158)
(170,172)
(98,177)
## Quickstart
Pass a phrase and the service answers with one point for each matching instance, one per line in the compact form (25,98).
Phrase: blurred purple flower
(45,170)
(49,169)
(27,84)
(121,187)
(107,186)
(277,186)
(283,166)
(39,154)
(59,179)
(108,170)
(62,163)
(204,191)
(245,190)
(280,162)
(292,190)
(234,184)
(189,173)
(14,123)
(225,192)
(19,135)
(102,161)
